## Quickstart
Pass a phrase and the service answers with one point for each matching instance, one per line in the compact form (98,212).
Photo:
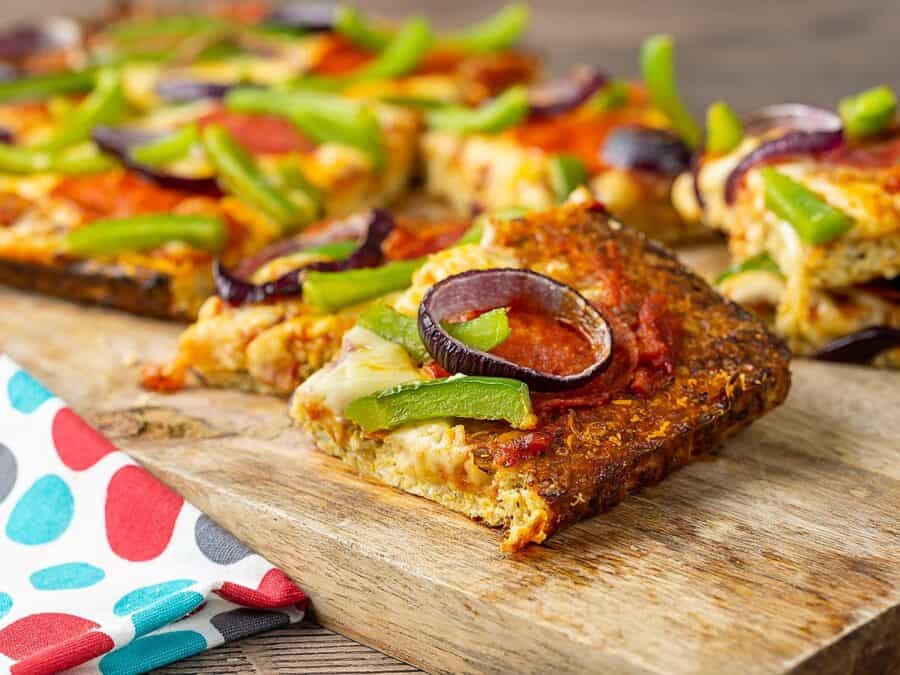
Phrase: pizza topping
(239,174)
(81,159)
(104,105)
(260,134)
(633,147)
(167,149)
(567,172)
(121,141)
(563,94)
(469,397)
(331,291)
(238,291)
(533,295)
(43,86)
(862,346)
(658,68)
(506,110)
(809,130)
(868,113)
(495,33)
(184,90)
(724,130)
(815,221)
(144,232)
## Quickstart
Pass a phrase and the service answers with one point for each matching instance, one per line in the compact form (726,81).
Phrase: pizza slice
(540,375)
(129,210)
(266,336)
(811,207)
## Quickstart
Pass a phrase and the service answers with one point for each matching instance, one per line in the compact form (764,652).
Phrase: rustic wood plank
(778,556)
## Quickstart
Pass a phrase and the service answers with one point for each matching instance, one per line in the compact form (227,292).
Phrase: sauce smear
(541,342)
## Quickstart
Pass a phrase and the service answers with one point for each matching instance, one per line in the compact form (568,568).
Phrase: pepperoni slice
(260,134)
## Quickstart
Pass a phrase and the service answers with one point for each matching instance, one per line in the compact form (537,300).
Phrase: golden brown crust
(729,371)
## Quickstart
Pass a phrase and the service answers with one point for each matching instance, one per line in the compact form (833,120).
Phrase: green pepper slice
(331,291)
(495,33)
(37,87)
(465,396)
(868,113)
(105,104)
(724,130)
(81,159)
(613,95)
(176,26)
(761,262)
(139,233)
(483,333)
(401,55)
(339,250)
(504,111)
(168,149)
(363,32)
(658,68)
(324,117)
(815,221)
(567,172)
(240,176)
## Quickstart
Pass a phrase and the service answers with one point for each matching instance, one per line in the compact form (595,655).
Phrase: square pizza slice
(829,284)
(679,370)
(254,178)
(577,130)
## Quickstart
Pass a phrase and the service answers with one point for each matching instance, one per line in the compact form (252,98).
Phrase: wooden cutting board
(780,555)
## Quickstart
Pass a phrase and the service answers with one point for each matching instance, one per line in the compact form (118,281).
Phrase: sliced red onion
(238,291)
(482,290)
(565,93)
(118,141)
(311,17)
(634,147)
(22,41)
(185,91)
(808,130)
(6,136)
(862,346)
(696,165)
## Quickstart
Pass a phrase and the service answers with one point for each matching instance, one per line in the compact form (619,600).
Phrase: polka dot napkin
(102,567)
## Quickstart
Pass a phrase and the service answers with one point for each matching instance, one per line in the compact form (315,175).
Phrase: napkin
(102,567)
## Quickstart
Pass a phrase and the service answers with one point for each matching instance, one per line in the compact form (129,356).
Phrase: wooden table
(749,53)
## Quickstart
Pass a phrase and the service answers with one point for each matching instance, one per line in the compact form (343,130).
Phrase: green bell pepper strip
(339,250)
(495,33)
(331,291)
(483,333)
(815,221)
(473,235)
(401,56)
(173,26)
(868,113)
(724,131)
(658,68)
(567,172)
(324,117)
(506,110)
(293,181)
(240,175)
(613,95)
(465,396)
(762,262)
(361,31)
(167,149)
(80,159)
(38,87)
(139,233)
(104,105)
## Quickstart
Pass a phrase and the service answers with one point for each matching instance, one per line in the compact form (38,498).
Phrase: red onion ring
(809,130)
(185,91)
(119,141)
(656,150)
(237,291)
(6,136)
(860,347)
(562,94)
(488,289)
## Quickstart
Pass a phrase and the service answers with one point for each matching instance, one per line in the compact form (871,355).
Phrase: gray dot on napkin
(217,544)
(8,471)
(238,623)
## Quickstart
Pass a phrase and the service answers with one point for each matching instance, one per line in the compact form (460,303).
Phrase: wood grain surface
(778,556)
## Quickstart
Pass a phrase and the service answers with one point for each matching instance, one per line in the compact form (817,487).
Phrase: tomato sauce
(413,239)
(546,344)
(117,194)
(878,155)
(260,134)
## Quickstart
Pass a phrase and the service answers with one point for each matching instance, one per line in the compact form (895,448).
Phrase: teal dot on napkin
(152,651)
(66,577)
(43,513)
(6,604)
(172,608)
(147,595)
(25,393)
